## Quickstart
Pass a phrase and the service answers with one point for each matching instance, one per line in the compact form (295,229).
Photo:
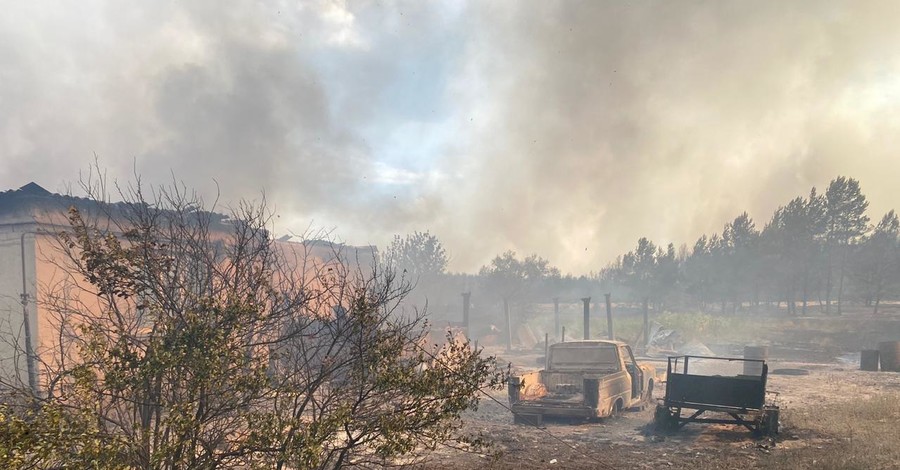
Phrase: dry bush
(846,435)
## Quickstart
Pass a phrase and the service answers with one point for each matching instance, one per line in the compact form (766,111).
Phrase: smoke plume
(564,128)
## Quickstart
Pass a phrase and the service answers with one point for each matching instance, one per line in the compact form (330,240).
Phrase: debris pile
(665,342)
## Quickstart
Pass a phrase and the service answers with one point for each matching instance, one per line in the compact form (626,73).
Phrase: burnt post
(587,317)
(556,314)
(508,325)
(467,296)
(514,385)
(546,349)
(609,323)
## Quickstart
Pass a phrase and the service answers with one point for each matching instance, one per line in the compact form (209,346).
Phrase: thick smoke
(611,120)
(564,128)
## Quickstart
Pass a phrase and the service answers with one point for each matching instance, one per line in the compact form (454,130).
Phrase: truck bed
(548,393)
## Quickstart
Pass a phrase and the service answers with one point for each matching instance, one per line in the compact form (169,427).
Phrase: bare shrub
(185,339)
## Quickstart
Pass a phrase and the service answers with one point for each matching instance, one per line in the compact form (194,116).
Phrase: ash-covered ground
(835,417)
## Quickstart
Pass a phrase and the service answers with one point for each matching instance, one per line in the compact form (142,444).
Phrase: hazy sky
(569,128)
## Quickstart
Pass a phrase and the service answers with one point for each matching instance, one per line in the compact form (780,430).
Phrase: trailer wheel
(768,421)
(649,398)
(664,419)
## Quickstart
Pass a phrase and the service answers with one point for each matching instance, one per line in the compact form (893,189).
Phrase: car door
(634,371)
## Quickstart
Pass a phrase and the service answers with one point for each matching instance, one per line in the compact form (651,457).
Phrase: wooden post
(546,350)
(587,317)
(563,335)
(609,322)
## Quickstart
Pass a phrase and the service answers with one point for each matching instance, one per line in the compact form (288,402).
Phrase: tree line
(817,250)
(820,249)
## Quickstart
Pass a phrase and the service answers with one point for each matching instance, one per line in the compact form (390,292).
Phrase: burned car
(583,379)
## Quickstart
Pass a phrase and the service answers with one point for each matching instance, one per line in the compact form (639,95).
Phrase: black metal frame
(741,397)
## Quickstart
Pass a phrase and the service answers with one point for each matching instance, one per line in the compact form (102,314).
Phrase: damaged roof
(34,204)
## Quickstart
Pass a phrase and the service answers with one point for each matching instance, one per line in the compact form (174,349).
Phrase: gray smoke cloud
(569,129)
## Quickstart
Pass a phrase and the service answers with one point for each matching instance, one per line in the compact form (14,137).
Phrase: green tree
(647,273)
(639,271)
(420,255)
(740,238)
(420,260)
(698,272)
(805,222)
(845,223)
(667,266)
(509,277)
(774,242)
(877,264)
(793,242)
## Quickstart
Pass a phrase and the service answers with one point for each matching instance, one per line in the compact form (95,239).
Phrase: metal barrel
(889,355)
(755,352)
(868,360)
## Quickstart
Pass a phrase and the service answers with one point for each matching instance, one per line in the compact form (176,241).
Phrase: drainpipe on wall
(29,349)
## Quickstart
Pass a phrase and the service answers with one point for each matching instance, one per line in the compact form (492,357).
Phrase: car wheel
(616,410)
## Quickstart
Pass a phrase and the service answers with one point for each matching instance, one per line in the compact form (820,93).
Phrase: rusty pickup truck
(583,379)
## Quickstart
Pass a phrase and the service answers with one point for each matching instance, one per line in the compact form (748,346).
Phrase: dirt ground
(834,389)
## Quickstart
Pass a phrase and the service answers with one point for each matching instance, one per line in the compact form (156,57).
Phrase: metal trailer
(741,397)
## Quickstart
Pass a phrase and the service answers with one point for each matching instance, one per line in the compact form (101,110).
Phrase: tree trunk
(805,292)
(756,296)
(828,281)
(840,294)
